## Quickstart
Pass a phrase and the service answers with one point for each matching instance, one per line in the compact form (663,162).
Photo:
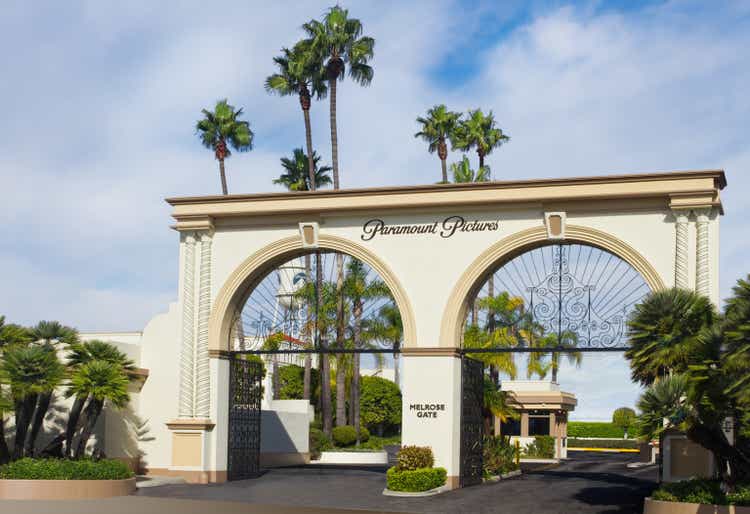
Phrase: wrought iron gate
(245,392)
(472,421)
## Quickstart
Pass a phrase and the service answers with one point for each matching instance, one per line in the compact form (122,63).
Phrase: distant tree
(463,173)
(221,128)
(479,131)
(437,128)
(380,404)
(296,176)
(624,418)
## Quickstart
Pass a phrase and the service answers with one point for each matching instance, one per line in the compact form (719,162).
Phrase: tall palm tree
(358,289)
(663,333)
(10,333)
(566,342)
(479,131)
(662,400)
(463,173)
(387,327)
(302,75)
(337,42)
(31,370)
(221,128)
(80,354)
(496,405)
(99,381)
(437,129)
(296,176)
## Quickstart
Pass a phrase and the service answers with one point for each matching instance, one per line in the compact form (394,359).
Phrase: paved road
(587,483)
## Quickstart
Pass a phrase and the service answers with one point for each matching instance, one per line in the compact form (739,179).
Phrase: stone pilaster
(203,379)
(702,252)
(187,351)
(681,250)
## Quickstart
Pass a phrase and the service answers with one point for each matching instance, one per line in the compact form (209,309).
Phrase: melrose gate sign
(434,247)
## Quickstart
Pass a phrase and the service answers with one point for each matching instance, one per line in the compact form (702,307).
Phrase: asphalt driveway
(587,483)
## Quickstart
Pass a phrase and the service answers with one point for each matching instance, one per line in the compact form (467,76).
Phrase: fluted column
(187,360)
(681,250)
(702,277)
(203,381)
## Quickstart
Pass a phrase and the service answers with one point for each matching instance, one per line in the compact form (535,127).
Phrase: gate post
(431,405)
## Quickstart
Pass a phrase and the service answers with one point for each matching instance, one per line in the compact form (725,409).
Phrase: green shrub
(376,443)
(598,429)
(499,456)
(415,480)
(414,457)
(741,496)
(319,442)
(630,444)
(543,447)
(292,383)
(698,490)
(59,469)
(346,435)
(380,405)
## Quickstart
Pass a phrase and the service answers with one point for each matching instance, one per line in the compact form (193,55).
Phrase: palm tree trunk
(444,167)
(224,190)
(334,135)
(324,361)
(395,369)
(276,378)
(354,407)
(308,142)
(93,409)
(555,365)
(24,411)
(340,369)
(481,160)
(42,405)
(491,293)
(70,429)
(309,336)
(4,452)
(340,390)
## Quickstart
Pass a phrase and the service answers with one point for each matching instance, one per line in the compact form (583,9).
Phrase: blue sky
(100,99)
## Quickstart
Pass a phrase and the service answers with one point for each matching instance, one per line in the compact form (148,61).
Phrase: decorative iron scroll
(581,293)
(245,391)
(472,421)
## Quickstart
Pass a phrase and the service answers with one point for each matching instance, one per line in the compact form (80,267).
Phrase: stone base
(64,489)
(191,476)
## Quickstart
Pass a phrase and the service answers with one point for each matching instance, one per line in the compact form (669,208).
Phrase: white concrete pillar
(187,357)
(431,409)
(681,249)
(203,382)
(702,264)
(218,438)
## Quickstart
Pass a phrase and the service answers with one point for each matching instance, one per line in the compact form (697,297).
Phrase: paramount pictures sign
(445,228)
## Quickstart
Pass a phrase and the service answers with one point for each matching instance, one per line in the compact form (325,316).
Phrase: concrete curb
(421,494)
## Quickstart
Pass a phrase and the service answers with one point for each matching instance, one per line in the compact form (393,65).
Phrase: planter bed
(421,494)
(353,457)
(661,507)
(64,489)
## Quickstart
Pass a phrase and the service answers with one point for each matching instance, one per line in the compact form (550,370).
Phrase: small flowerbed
(499,456)
(702,491)
(62,469)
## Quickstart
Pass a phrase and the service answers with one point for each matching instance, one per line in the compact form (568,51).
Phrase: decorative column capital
(702,215)
(681,215)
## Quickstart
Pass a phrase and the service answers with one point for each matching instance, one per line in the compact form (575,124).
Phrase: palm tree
(437,128)
(663,333)
(663,400)
(387,327)
(564,343)
(80,354)
(31,370)
(478,131)
(337,42)
(302,75)
(100,382)
(358,289)
(296,176)
(463,173)
(11,333)
(221,128)
(496,405)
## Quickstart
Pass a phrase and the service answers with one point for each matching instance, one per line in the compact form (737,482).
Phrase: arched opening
(325,329)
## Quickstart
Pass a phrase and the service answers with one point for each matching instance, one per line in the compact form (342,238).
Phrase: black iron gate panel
(245,392)
(472,421)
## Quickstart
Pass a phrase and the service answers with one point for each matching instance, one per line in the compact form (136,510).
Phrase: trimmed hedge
(319,442)
(602,429)
(415,480)
(60,469)
(346,435)
(414,457)
(701,490)
(629,444)
(543,447)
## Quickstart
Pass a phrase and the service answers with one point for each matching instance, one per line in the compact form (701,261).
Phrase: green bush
(292,383)
(380,405)
(499,455)
(415,480)
(699,490)
(598,429)
(377,443)
(630,444)
(543,447)
(741,496)
(319,442)
(414,457)
(59,469)
(346,435)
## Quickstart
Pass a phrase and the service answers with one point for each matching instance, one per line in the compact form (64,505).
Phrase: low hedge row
(416,480)
(601,429)
(628,444)
(701,490)
(61,469)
